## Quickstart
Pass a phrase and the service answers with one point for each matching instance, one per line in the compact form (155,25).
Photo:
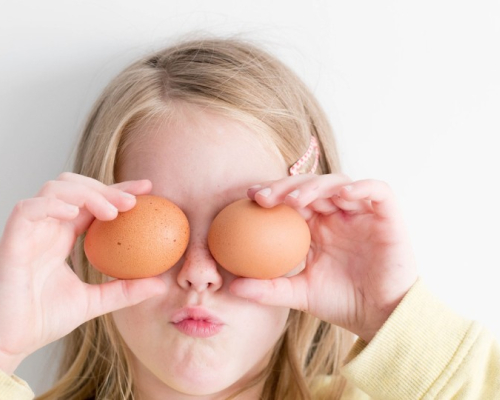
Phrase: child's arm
(426,351)
(41,298)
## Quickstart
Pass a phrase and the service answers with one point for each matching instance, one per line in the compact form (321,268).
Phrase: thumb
(112,296)
(284,292)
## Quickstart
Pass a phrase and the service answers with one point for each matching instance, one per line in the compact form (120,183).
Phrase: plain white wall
(412,89)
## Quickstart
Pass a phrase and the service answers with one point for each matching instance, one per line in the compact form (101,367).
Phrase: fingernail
(348,188)
(265,192)
(112,208)
(127,195)
(72,209)
(255,187)
(294,194)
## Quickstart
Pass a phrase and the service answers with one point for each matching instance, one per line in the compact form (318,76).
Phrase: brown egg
(142,242)
(256,242)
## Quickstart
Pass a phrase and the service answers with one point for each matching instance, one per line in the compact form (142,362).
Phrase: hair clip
(303,163)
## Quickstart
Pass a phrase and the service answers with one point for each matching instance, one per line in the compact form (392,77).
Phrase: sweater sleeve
(13,388)
(426,351)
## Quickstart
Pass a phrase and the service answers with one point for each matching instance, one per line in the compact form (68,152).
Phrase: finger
(275,192)
(323,206)
(81,196)
(300,190)
(117,294)
(135,187)
(104,203)
(353,206)
(29,211)
(126,190)
(120,195)
(281,292)
(256,188)
(40,208)
(377,192)
(264,188)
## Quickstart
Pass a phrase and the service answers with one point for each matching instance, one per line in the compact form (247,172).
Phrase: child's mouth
(197,322)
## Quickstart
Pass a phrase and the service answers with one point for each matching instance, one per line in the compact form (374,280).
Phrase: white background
(412,89)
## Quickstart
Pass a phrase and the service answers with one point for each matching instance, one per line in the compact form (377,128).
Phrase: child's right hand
(360,264)
(41,298)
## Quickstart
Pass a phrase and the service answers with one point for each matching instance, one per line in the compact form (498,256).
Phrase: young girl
(204,123)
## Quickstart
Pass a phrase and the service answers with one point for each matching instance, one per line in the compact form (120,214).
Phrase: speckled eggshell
(256,242)
(142,242)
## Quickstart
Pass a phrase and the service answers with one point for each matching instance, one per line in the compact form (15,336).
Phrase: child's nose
(199,270)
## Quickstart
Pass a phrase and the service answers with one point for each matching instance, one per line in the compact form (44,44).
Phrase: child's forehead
(213,157)
(194,133)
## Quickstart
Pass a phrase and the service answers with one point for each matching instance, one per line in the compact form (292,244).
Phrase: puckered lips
(196,322)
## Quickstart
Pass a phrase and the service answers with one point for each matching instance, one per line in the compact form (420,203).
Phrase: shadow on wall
(40,368)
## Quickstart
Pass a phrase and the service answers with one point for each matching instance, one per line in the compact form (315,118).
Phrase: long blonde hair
(237,78)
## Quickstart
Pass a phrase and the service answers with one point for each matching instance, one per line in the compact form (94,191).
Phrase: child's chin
(198,389)
(203,383)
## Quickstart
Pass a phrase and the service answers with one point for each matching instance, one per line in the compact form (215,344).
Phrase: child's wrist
(367,334)
(371,327)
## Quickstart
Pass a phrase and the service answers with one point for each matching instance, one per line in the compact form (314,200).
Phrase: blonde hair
(236,78)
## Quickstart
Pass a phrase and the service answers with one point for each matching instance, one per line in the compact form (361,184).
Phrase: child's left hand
(360,264)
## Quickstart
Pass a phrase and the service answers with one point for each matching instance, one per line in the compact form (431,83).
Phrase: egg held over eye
(256,242)
(142,242)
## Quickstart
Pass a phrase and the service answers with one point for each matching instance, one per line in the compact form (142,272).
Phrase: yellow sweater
(424,351)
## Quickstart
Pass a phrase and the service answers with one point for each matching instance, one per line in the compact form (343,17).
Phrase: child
(204,123)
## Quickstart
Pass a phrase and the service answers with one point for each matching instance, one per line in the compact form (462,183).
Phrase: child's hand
(41,298)
(360,264)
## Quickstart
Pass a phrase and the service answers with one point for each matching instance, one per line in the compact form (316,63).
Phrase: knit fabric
(14,388)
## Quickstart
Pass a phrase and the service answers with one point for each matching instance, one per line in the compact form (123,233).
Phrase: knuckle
(65,176)
(48,202)
(125,291)
(335,179)
(22,207)
(110,191)
(19,207)
(384,186)
(48,188)
(344,177)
